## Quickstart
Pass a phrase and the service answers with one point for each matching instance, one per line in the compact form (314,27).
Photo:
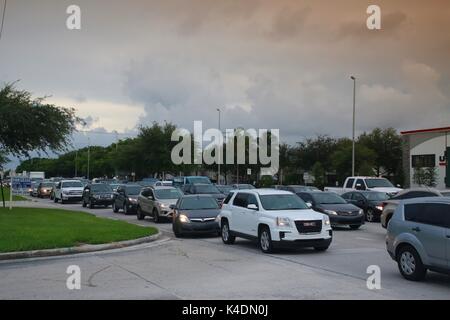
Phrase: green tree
(319,175)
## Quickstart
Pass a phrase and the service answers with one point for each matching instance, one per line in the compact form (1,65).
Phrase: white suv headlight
(326,220)
(283,222)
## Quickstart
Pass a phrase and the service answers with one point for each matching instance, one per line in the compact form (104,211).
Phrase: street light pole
(220,153)
(353,131)
(89,156)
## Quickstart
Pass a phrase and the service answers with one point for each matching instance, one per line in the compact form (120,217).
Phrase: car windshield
(245,186)
(374,196)
(101,188)
(282,202)
(168,193)
(379,183)
(46,185)
(328,198)
(195,180)
(71,184)
(225,189)
(206,189)
(133,190)
(198,203)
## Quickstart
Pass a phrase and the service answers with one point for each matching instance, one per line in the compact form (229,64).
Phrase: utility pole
(219,153)
(89,157)
(353,131)
(117,145)
(76,163)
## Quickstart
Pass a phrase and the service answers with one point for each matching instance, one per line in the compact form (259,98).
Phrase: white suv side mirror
(252,207)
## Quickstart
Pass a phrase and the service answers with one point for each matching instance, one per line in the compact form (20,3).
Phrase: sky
(266,64)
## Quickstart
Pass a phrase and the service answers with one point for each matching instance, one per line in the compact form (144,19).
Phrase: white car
(275,218)
(68,190)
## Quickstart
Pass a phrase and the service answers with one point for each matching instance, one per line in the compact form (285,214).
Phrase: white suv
(68,190)
(275,218)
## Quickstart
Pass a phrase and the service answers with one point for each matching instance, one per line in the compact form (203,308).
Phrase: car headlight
(163,206)
(183,218)
(326,220)
(132,200)
(283,222)
(111,196)
(97,196)
(379,208)
(217,218)
(361,211)
(332,212)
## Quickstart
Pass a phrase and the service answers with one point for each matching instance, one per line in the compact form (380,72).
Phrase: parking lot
(204,268)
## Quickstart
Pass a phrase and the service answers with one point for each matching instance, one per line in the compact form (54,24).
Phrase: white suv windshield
(282,202)
(167,193)
(72,184)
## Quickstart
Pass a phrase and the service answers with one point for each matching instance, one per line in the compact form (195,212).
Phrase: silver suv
(418,236)
(156,202)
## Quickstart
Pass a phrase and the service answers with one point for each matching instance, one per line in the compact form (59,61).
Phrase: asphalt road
(205,268)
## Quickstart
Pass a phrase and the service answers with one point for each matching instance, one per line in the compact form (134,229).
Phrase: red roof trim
(426,130)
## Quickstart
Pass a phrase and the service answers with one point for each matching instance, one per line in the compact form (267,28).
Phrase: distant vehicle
(182,181)
(275,218)
(97,194)
(195,214)
(370,201)
(341,212)
(418,236)
(204,188)
(34,188)
(114,186)
(296,188)
(390,205)
(164,183)
(243,186)
(156,202)
(366,183)
(225,189)
(148,182)
(44,189)
(126,198)
(36,175)
(68,190)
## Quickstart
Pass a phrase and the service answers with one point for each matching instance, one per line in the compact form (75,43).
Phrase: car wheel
(55,200)
(114,207)
(370,215)
(322,248)
(410,264)
(140,215)
(84,204)
(227,237)
(156,217)
(176,231)
(355,227)
(91,205)
(63,201)
(125,209)
(265,240)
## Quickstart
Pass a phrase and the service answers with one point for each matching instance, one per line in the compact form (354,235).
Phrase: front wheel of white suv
(265,240)
(227,237)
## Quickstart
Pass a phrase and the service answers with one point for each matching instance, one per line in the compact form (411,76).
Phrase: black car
(370,201)
(195,214)
(340,211)
(205,188)
(224,188)
(126,198)
(297,188)
(97,194)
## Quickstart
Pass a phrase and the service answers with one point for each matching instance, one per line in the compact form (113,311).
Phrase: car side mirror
(252,207)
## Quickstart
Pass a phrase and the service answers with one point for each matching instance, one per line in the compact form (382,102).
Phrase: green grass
(23,229)
(7,195)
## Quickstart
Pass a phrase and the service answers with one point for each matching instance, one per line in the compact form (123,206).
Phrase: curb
(75,250)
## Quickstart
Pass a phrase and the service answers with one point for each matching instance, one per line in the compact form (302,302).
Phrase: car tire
(140,215)
(410,264)
(125,209)
(114,207)
(355,227)
(176,231)
(370,215)
(225,233)
(156,217)
(91,205)
(63,201)
(84,205)
(265,240)
(55,200)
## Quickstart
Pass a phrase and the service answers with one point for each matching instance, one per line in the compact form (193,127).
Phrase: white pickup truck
(366,183)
